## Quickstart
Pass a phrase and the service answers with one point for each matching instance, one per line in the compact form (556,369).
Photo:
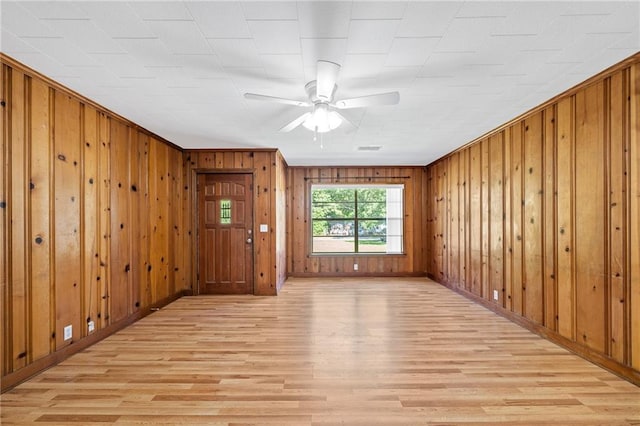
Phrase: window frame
(356,219)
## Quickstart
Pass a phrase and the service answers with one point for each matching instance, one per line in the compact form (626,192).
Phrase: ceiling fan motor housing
(311,89)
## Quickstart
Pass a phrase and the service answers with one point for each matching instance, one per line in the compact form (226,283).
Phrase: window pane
(327,210)
(333,244)
(372,194)
(332,195)
(225,212)
(374,210)
(333,228)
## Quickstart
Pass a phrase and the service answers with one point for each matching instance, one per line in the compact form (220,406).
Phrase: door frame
(195,241)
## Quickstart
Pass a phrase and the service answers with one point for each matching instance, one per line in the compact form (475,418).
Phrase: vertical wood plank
(143,296)
(533,297)
(135,233)
(463,215)
(40,217)
(67,218)
(104,232)
(120,222)
(549,224)
(158,221)
(517,231)
(507,301)
(90,218)
(590,217)
(485,235)
(475,219)
(564,184)
(634,216)
(18,208)
(454,218)
(619,119)
(264,284)
(495,216)
(5,174)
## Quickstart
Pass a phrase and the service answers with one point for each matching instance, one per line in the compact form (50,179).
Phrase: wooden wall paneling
(67,218)
(565,205)
(5,174)
(517,202)
(570,205)
(475,219)
(419,237)
(494,214)
(549,220)
(532,214)
(590,234)
(104,226)
(136,204)
(618,110)
(486,236)
(438,213)
(508,234)
(18,208)
(40,221)
(633,217)
(463,215)
(120,222)
(90,218)
(142,273)
(175,217)
(454,224)
(188,217)
(264,282)
(431,230)
(300,226)
(158,237)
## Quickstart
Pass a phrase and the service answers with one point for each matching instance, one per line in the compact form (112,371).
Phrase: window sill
(357,254)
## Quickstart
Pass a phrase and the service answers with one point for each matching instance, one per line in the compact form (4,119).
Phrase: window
(357,218)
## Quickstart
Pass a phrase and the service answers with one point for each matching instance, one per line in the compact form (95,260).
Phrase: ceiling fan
(324,115)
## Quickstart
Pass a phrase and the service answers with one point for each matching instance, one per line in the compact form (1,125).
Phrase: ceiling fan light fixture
(322,119)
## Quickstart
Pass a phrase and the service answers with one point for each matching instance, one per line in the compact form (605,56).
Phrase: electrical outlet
(495,294)
(91,326)
(355,266)
(68,332)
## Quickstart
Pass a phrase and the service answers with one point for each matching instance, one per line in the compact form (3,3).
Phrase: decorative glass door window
(225,212)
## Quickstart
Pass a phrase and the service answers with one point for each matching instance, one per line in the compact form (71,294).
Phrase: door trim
(195,240)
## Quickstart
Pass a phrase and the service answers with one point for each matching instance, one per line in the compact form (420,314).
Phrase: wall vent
(369,148)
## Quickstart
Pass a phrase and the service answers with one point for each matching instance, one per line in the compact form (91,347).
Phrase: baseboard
(14,379)
(355,274)
(623,371)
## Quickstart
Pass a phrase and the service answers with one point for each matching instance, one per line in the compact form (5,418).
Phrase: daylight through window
(357,218)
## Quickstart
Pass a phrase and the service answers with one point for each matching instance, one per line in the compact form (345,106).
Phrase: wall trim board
(214,150)
(355,274)
(14,63)
(567,93)
(14,379)
(622,371)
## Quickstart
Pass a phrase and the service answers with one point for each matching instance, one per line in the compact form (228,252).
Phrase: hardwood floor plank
(379,351)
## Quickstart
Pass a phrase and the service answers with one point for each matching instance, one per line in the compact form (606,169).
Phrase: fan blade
(257,97)
(295,123)
(390,98)
(326,79)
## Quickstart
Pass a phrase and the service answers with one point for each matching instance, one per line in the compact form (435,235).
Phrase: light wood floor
(326,352)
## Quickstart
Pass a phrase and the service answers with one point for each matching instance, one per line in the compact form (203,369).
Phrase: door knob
(249,240)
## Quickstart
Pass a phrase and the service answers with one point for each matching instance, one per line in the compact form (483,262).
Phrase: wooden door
(225,243)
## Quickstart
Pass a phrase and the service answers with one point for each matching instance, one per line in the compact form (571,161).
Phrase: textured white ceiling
(180,68)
